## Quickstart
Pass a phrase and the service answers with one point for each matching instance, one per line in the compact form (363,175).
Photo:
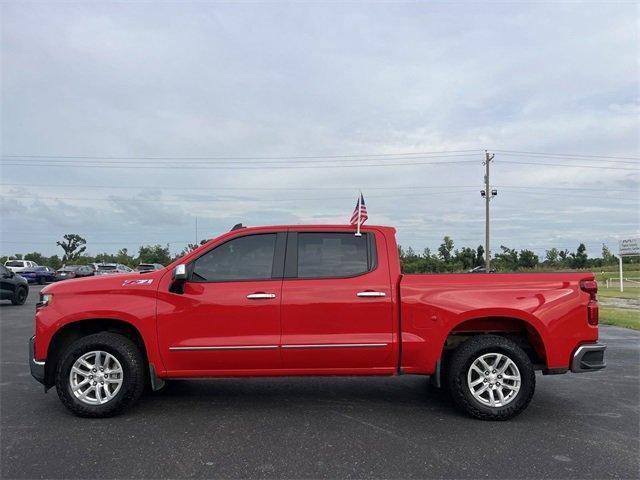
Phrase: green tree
(608,258)
(445,249)
(507,259)
(73,246)
(479,256)
(36,257)
(579,258)
(528,259)
(552,256)
(154,254)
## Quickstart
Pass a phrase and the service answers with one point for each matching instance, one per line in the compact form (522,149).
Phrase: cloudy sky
(125,122)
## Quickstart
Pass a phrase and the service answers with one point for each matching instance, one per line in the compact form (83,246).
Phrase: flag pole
(358,234)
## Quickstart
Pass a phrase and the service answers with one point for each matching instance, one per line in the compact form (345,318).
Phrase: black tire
(461,361)
(20,296)
(41,281)
(133,371)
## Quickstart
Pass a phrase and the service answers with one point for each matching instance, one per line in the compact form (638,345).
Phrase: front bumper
(37,368)
(588,358)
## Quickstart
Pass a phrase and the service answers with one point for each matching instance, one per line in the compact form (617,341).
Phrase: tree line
(446,258)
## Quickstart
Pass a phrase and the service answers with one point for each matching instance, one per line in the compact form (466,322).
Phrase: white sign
(629,246)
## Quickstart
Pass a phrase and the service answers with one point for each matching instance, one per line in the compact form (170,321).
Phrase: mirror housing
(180,272)
(179,277)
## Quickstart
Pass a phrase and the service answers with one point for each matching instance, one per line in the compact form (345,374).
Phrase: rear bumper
(588,358)
(37,368)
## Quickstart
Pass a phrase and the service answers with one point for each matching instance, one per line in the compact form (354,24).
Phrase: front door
(336,304)
(227,319)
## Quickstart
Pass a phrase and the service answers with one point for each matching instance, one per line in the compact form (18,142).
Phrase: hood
(106,282)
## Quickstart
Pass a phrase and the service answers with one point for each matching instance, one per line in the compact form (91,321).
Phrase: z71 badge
(144,281)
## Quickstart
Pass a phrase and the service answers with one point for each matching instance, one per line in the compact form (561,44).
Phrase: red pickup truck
(312,300)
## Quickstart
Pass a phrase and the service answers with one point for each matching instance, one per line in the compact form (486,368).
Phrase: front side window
(326,255)
(243,258)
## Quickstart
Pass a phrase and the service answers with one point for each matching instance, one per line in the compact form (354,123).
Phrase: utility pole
(488,194)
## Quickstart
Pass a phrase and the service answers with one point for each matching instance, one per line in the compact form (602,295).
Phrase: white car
(20,265)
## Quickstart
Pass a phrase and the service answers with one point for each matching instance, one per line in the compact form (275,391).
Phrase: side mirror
(180,273)
(179,276)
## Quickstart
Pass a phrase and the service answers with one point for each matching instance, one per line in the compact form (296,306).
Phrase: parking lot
(578,426)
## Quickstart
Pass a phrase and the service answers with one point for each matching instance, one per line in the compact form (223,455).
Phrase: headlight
(45,299)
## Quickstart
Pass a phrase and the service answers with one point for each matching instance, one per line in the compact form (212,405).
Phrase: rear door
(336,303)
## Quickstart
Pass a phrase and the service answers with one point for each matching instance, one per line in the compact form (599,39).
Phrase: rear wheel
(491,378)
(100,375)
(20,296)
(41,280)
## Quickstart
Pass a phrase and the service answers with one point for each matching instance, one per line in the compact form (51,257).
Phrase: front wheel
(100,375)
(491,378)
(20,296)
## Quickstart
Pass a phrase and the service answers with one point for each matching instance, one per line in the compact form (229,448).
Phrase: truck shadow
(302,392)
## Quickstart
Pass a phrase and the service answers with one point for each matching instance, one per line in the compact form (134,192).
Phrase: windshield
(14,264)
(145,266)
(106,267)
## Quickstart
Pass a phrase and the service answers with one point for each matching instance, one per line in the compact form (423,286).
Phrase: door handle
(369,293)
(260,296)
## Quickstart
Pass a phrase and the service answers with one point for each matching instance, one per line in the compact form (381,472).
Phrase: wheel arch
(73,331)
(526,331)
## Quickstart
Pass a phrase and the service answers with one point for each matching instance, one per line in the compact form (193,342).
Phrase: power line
(279,157)
(216,188)
(568,155)
(230,167)
(600,167)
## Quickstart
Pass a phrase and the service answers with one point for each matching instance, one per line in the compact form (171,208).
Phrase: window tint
(243,258)
(323,255)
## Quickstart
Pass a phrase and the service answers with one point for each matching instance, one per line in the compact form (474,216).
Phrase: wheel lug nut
(498,384)
(95,383)
(499,376)
(94,370)
(493,371)
(485,380)
(486,373)
(90,377)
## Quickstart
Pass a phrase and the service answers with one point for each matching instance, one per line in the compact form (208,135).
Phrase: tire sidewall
(127,391)
(20,291)
(460,387)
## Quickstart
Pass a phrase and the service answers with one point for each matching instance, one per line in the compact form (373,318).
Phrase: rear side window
(243,258)
(326,255)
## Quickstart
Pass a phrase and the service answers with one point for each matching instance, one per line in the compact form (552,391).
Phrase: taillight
(591,287)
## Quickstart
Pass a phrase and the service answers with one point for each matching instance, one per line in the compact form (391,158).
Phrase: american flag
(359,213)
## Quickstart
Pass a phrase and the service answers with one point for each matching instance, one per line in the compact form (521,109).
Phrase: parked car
(74,271)
(481,270)
(313,300)
(19,265)
(148,267)
(12,286)
(112,268)
(40,275)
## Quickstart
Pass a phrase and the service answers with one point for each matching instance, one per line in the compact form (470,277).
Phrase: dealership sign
(629,246)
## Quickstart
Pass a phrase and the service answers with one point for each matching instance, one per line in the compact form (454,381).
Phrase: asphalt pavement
(577,426)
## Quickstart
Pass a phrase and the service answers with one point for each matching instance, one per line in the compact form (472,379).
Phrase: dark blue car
(39,275)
